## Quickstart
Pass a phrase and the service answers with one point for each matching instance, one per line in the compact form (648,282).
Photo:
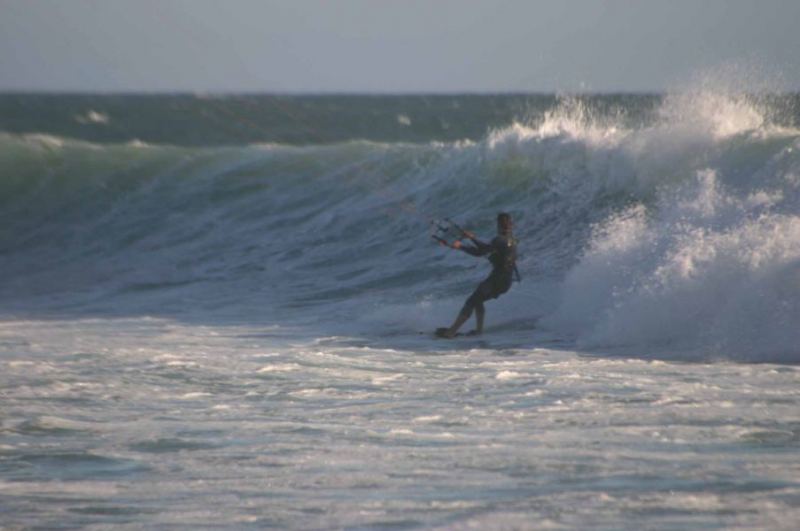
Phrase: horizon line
(322,93)
(331,93)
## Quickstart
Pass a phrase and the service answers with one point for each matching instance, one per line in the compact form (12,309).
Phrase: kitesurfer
(502,253)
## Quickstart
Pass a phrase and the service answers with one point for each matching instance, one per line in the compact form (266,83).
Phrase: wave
(674,231)
(705,262)
(197,120)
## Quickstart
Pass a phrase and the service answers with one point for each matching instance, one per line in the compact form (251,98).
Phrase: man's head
(504,224)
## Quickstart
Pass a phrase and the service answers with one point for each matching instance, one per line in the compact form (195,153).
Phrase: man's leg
(473,303)
(466,311)
(480,312)
(483,292)
(460,320)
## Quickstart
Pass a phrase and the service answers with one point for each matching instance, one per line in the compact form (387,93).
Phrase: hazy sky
(389,45)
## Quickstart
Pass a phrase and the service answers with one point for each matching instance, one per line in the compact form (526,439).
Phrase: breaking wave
(666,230)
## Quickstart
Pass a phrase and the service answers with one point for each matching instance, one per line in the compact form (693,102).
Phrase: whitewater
(225,321)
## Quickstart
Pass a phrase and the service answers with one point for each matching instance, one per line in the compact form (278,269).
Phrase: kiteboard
(440,333)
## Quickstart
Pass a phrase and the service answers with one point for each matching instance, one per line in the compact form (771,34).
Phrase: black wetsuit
(502,253)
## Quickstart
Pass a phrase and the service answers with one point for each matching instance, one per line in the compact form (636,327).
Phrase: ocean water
(216,312)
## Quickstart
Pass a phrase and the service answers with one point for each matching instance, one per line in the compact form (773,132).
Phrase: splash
(710,269)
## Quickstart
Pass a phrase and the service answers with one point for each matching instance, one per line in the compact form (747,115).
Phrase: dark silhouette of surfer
(502,253)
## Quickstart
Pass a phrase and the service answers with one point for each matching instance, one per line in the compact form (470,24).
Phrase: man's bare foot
(475,332)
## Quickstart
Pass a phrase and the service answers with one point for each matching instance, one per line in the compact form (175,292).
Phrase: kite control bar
(441,227)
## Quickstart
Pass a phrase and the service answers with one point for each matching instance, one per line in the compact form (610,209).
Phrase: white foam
(508,375)
(193,395)
(703,268)
(92,117)
(279,367)
(427,418)
(379,380)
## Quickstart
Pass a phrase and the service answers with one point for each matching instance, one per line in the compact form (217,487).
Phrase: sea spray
(705,261)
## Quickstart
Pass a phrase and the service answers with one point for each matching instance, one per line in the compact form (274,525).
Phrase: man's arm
(478,249)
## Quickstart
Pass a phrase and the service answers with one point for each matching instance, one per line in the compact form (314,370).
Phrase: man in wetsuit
(502,253)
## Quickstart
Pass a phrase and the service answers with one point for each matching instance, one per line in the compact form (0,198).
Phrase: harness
(508,258)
